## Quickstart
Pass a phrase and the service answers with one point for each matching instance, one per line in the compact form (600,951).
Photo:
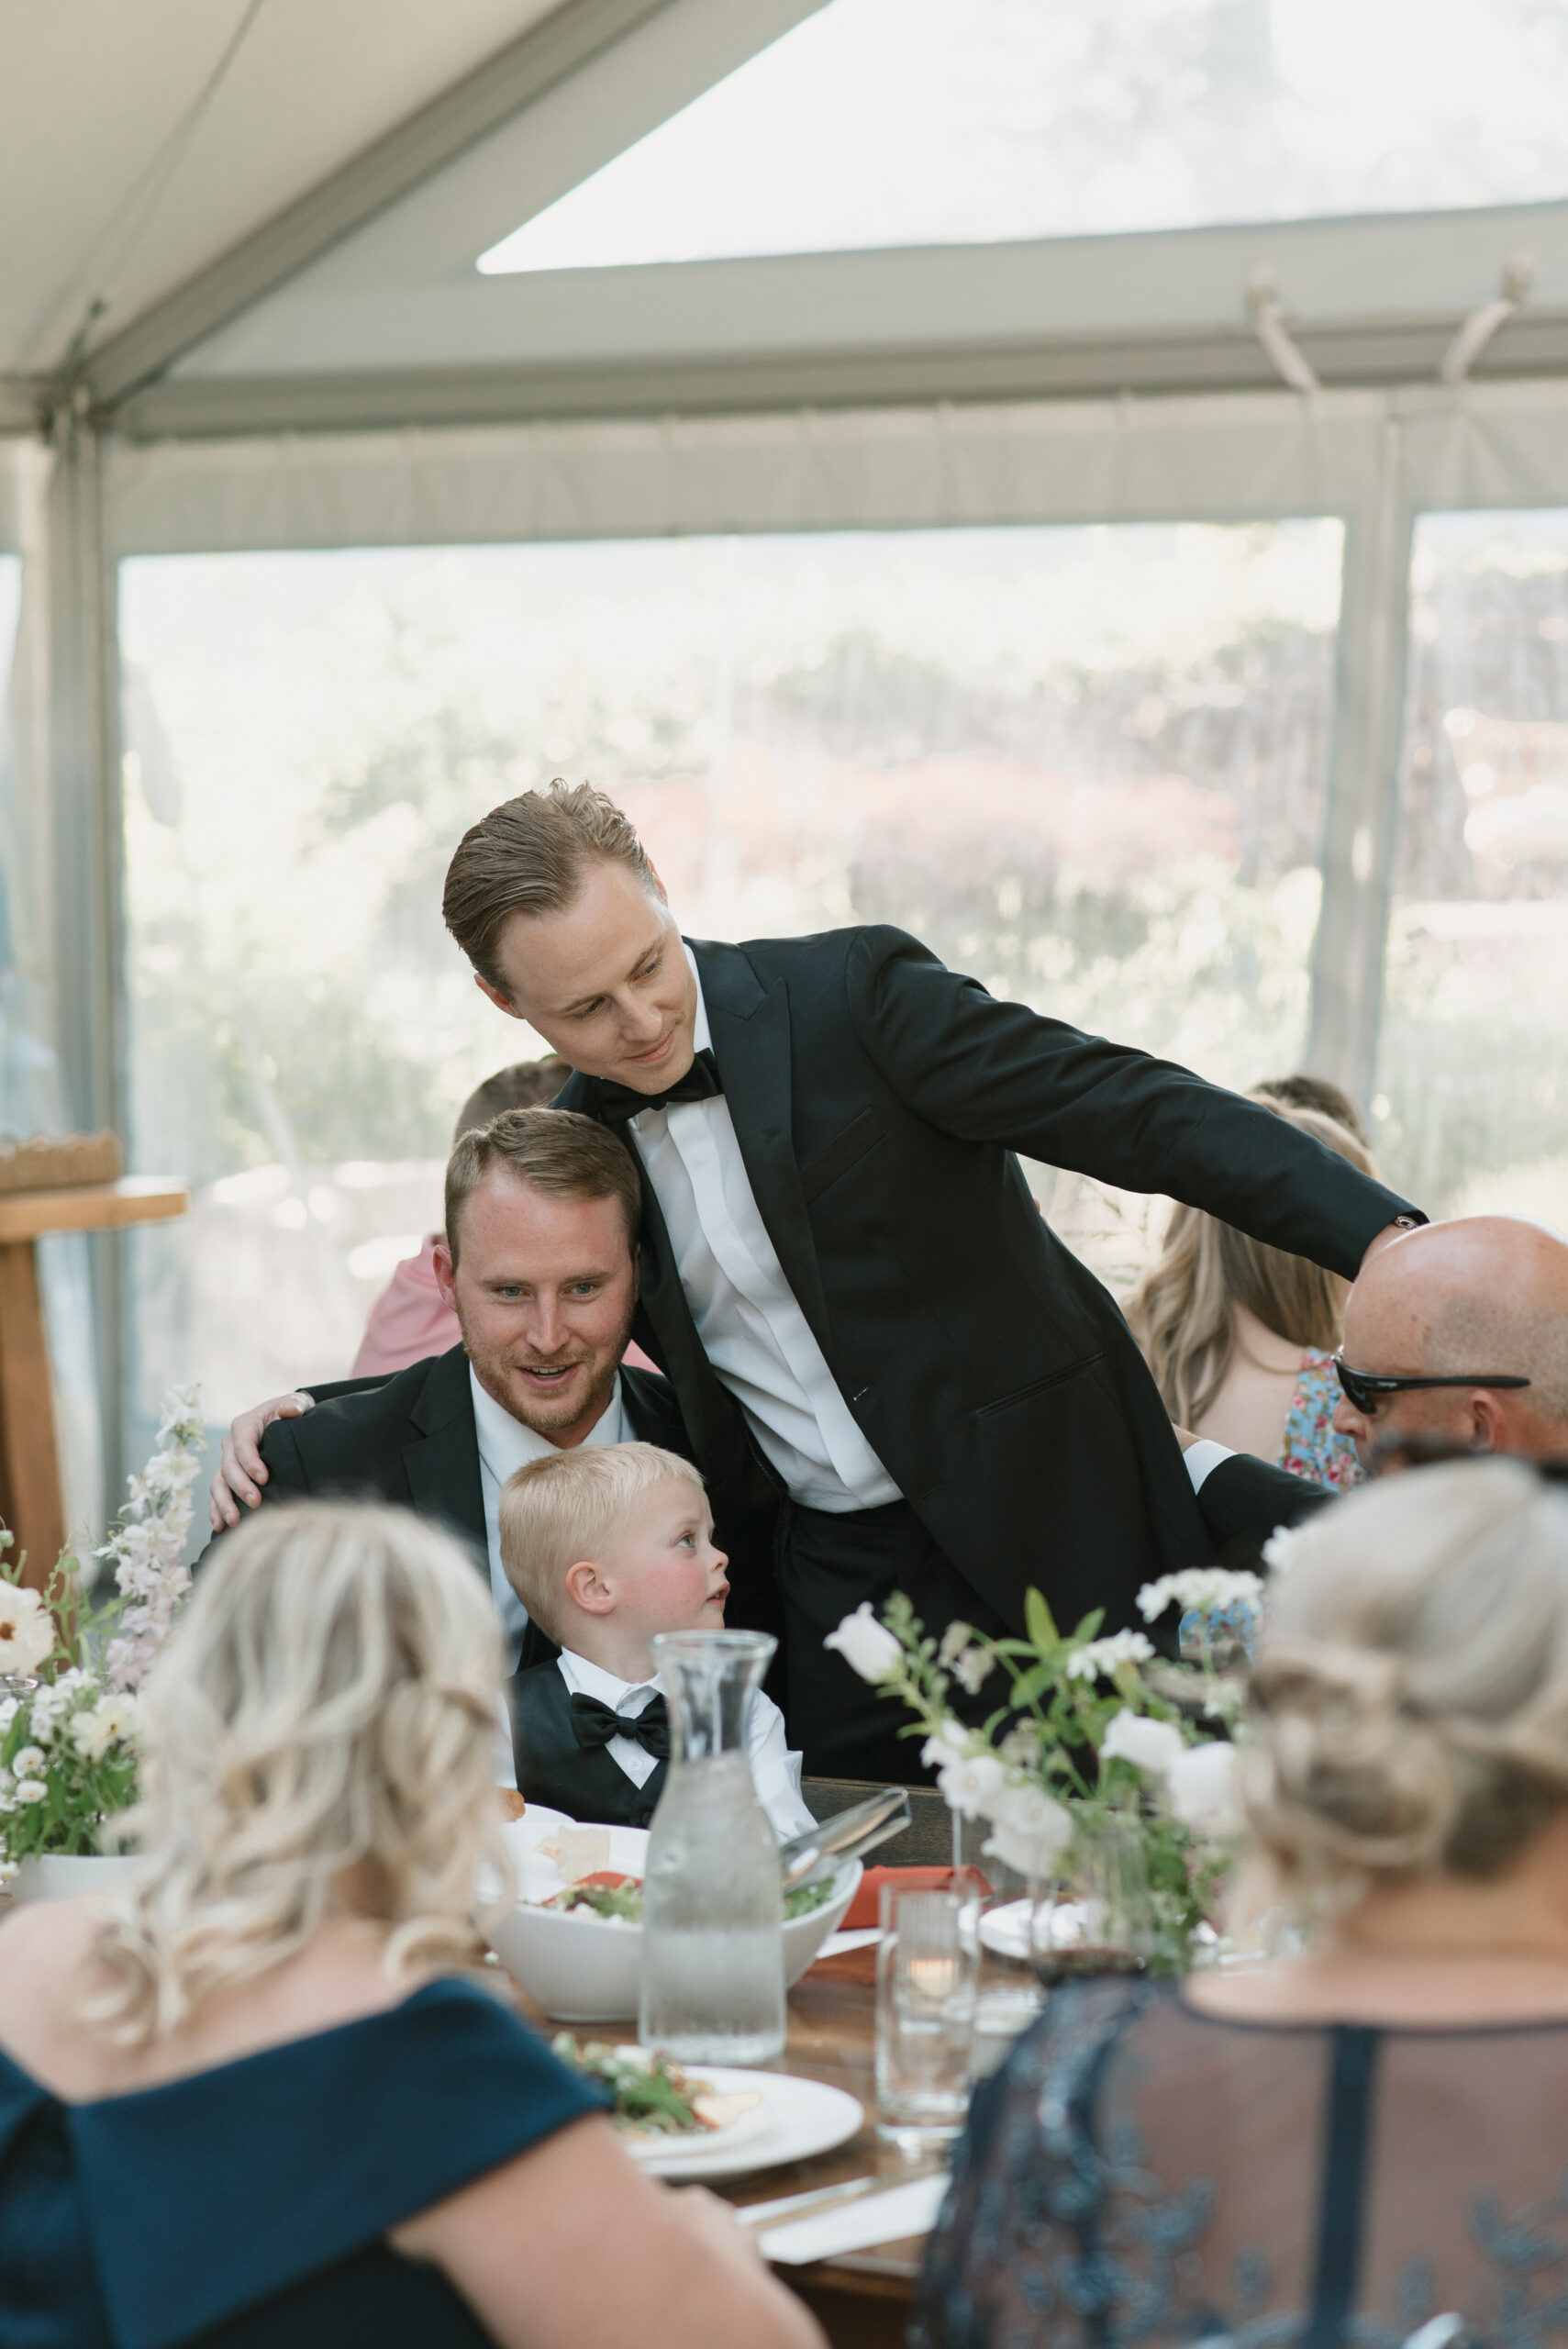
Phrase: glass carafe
(712,1909)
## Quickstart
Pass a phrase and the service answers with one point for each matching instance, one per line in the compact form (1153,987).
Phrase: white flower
(1029,1829)
(975,1668)
(27,1630)
(943,1749)
(1280,1549)
(32,1790)
(1203,1589)
(8,1707)
(1200,1789)
(27,1761)
(8,1871)
(1108,1655)
(955,1639)
(974,1785)
(113,1717)
(866,1645)
(1151,1745)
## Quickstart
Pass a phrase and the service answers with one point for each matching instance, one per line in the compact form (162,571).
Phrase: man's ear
(442,1264)
(587,1587)
(502,1003)
(1488,1422)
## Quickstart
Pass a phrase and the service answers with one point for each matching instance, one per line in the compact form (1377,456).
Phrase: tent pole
(83,776)
(1363,784)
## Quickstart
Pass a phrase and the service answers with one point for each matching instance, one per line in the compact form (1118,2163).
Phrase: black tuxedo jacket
(411,1440)
(878,1099)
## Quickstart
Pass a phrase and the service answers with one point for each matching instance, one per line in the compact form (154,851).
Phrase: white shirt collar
(702,1034)
(505,1444)
(587,1679)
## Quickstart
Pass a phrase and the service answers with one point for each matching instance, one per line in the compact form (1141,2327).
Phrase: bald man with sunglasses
(1456,1336)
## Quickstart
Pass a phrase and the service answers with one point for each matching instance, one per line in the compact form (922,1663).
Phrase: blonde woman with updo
(263,2101)
(1366,2143)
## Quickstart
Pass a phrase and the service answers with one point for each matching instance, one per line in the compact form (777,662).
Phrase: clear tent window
(880,123)
(1087,764)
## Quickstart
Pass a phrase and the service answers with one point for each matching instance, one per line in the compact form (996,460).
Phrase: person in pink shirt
(410,1319)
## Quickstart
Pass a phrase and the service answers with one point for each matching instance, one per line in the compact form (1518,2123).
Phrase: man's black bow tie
(593,1725)
(700,1083)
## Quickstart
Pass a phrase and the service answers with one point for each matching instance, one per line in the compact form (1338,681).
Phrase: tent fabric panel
(369,305)
(1223,457)
(309,87)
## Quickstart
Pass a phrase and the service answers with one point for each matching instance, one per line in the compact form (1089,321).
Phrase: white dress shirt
(753,1330)
(504,1446)
(1204,1457)
(775,1772)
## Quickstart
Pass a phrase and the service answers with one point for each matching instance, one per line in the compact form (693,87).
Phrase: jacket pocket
(862,1133)
(1038,1387)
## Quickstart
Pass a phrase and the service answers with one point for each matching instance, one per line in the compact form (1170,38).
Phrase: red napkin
(864,1908)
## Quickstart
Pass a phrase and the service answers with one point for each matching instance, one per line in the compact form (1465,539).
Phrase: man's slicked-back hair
(526,857)
(552,1150)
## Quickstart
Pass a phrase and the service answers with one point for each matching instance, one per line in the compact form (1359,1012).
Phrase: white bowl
(589,1969)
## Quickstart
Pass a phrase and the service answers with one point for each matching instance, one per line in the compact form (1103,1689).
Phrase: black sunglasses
(1366,1388)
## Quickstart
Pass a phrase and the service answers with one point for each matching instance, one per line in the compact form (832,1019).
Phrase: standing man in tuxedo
(837,1240)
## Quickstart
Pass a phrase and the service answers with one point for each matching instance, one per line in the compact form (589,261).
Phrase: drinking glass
(712,1904)
(927,1972)
(1009,1994)
(1096,1916)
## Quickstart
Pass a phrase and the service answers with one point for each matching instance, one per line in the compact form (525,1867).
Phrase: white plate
(794,2120)
(1007,1930)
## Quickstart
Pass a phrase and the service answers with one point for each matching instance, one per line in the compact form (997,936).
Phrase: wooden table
(862,2299)
(31,1500)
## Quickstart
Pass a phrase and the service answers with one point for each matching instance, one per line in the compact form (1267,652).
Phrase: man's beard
(538,1411)
(545,1418)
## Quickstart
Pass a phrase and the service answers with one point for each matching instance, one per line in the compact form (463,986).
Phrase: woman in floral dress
(1241,1337)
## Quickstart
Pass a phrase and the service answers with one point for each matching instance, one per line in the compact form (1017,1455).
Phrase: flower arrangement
(68,1725)
(1086,1726)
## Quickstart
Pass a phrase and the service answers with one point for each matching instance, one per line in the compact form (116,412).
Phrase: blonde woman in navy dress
(263,2101)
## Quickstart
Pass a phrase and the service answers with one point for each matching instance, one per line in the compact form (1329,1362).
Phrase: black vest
(554,1769)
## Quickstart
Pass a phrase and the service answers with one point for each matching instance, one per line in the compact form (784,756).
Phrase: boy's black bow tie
(700,1083)
(594,1724)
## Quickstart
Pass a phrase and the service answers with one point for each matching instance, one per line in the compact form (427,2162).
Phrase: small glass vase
(1097,1917)
(713,1988)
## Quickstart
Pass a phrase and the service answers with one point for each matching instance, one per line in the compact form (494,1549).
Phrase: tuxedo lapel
(750,1043)
(440,1453)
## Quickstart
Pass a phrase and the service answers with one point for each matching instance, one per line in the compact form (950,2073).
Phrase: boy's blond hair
(567,1507)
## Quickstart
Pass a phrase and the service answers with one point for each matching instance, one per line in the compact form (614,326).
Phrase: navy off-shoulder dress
(247,2207)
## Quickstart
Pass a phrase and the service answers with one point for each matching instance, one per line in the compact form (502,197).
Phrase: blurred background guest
(1456,1339)
(1241,1336)
(261,2098)
(411,1318)
(1302,1090)
(1369,2138)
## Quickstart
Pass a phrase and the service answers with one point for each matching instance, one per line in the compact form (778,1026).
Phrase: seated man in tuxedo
(538,1261)
(606,1548)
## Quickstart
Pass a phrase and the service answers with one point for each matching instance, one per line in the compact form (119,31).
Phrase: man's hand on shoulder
(242,1470)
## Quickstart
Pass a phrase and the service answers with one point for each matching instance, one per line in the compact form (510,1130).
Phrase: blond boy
(606,1545)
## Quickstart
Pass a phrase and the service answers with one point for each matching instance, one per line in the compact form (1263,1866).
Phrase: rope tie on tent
(1479,328)
(1267,313)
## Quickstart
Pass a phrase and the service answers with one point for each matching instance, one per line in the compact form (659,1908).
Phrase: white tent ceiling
(224,217)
